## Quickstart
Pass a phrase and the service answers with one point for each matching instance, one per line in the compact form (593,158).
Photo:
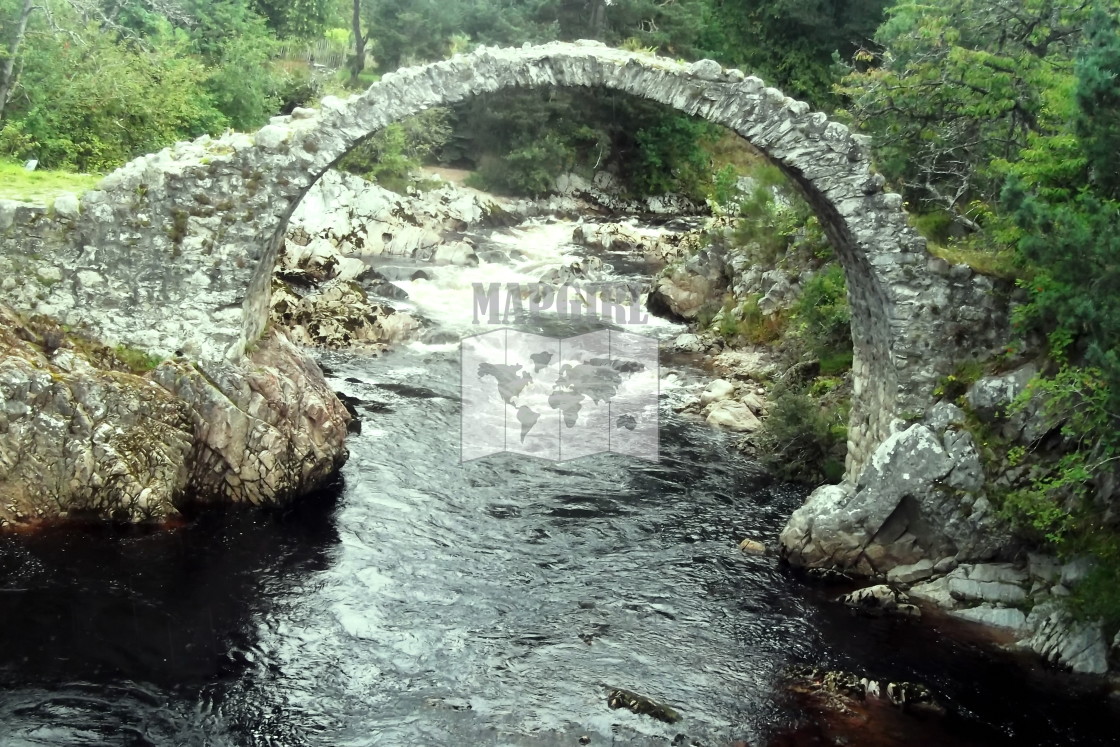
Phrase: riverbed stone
(1010,618)
(881,599)
(720,389)
(753,401)
(734,416)
(912,573)
(935,591)
(689,343)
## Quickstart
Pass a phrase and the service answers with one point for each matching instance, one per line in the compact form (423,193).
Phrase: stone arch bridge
(175,250)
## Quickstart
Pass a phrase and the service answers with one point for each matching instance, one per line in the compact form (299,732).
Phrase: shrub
(823,315)
(391,157)
(94,105)
(802,440)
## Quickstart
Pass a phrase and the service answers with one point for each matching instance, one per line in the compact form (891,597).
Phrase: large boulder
(734,416)
(682,290)
(1079,645)
(83,433)
(82,436)
(265,431)
(913,501)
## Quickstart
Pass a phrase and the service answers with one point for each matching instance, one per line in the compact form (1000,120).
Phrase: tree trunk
(598,22)
(359,62)
(8,73)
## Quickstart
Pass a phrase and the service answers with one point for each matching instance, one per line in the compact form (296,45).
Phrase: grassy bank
(41,185)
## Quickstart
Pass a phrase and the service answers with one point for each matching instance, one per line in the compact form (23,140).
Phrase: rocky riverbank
(89,431)
(923,516)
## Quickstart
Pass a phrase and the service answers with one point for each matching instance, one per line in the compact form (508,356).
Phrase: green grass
(40,185)
(137,360)
(996,264)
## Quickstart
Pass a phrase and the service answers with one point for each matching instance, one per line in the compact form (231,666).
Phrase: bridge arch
(181,244)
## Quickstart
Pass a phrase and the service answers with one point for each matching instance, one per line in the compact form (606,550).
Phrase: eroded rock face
(81,435)
(912,502)
(343,215)
(266,431)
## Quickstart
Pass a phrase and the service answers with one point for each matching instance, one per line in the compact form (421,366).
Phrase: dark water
(427,602)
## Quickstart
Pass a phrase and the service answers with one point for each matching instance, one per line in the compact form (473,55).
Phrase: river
(425,601)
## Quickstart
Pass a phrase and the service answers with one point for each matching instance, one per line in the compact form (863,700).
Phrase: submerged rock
(641,705)
(880,600)
(856,687)
(752,547)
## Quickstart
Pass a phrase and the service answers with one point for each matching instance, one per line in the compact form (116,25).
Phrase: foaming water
(521,255)
(425,601)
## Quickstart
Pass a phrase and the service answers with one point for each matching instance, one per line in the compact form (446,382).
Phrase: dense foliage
(139,74)
(1003,118)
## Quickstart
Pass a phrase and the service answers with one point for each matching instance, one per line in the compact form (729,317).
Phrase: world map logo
(559,399)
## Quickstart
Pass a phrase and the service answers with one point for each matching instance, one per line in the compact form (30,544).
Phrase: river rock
(935,591)
(754,402)
(683,289)
(909,574)
(752,547)
(720,389)
(641,705)
(455,253)
(880,600)
(1010,618)
(1077,645)
(688,343)
(734,416)
(899,512)
(338,315)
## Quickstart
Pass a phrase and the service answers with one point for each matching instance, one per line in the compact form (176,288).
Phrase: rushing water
(428,602)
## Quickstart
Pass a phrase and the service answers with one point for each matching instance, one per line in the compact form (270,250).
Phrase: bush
(391,157)
(1060,506)
(823,316)
(747,322)
(527,171)
(774,219)
(93,105)
(803,441)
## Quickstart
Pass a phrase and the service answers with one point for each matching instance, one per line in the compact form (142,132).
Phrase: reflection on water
(428,602)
